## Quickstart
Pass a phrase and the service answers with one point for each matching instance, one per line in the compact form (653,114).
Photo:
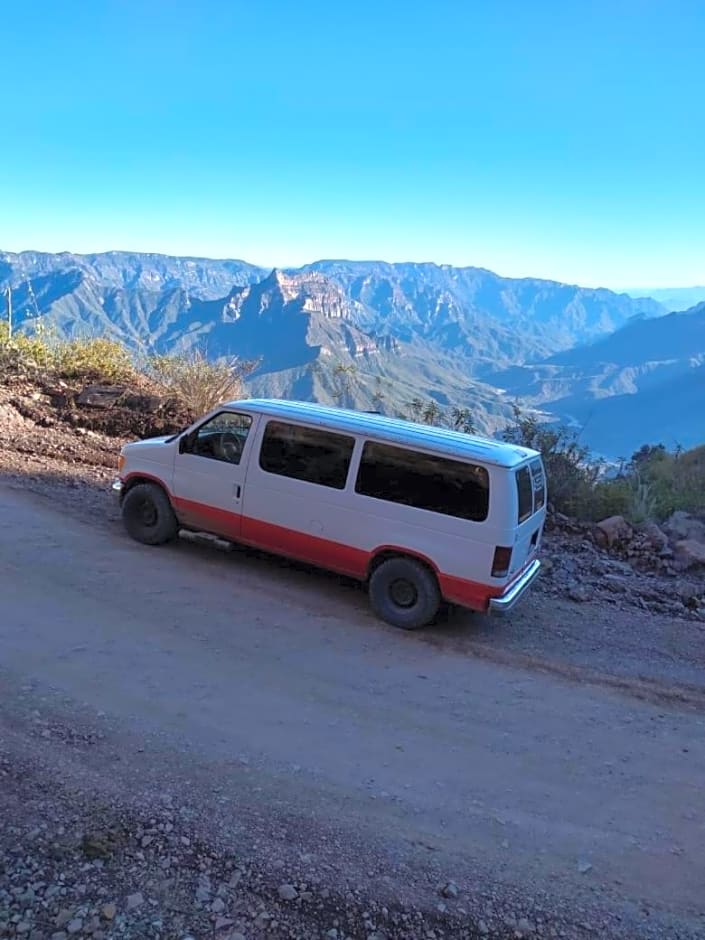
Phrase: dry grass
(199,383)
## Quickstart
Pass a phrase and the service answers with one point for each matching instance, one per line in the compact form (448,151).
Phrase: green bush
(95,360)
(21,354)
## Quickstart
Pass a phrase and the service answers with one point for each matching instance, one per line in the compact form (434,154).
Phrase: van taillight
(501,562)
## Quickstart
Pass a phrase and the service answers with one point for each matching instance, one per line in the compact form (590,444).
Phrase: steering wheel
(231,446)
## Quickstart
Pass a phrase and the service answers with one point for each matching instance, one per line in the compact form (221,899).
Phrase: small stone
(75,925)
(524,926)
(236,935)
(63,917)
(134,901)
(59,935)
(288,892)
(332,933)
(450,890)
(23,927)
(578,593)
(147,840)
(36,935)
(218,906)
(482,928)
(108,911)
(584,867)
(222,923)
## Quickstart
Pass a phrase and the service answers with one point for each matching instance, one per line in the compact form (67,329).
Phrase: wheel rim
(147,513)
(403,593)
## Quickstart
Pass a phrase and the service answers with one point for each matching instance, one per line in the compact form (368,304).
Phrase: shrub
(571,474)
(97,359)
(21,354)
(199,383)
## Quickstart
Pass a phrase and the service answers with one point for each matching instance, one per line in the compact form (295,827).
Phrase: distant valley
(377,335)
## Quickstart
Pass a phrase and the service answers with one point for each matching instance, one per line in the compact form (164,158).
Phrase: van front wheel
(148,516)
(404,593)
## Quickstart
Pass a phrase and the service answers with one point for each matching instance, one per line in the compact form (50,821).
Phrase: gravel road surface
(477,773)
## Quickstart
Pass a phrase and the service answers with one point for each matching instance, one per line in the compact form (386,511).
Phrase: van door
(209,474)
(531,502)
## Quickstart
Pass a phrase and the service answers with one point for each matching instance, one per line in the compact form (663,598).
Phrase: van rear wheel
(404,593)
(148,516)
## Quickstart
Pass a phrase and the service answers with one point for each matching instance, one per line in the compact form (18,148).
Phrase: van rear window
(539,484)
(525,492)
(424,481)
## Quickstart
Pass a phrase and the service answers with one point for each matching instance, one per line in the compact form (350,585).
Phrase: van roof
(408,433)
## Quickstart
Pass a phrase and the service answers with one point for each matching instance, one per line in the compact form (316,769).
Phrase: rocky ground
(79,857)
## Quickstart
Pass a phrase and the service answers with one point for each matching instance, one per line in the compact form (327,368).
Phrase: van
(421,514)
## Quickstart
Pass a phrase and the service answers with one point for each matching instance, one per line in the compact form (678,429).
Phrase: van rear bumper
(505,602)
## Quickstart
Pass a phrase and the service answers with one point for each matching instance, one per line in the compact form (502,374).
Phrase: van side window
(450,487)
(525,492)
(307,454)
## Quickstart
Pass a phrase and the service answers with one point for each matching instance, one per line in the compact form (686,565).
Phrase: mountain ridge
(395,331)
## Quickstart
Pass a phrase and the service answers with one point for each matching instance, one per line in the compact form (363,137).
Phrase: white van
(421,514)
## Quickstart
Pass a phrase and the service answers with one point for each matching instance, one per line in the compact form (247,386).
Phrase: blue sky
(555,139)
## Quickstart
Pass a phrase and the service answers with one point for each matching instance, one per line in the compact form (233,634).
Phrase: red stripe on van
(324,553)
(311,548)
(470,594)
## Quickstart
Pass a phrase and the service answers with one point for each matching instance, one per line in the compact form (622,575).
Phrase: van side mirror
(185,443)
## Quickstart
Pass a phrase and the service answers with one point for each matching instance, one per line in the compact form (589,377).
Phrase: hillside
(644,383)
(366,334)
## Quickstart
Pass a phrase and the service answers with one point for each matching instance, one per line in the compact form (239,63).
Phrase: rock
(59,935)
(146,403)
(222,923)
(682,526)
(288,892)
(655,536)
(100,396)
(236,935)
(74,926)
(688,553)
(615,583)
(108,911)
(584,867)
(579,593)
(450,890)
(524,926)
(482,928)
(218,906)
(134,901)
(615,529)
(23,927)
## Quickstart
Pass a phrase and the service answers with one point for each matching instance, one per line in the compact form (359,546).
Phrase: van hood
(147,442)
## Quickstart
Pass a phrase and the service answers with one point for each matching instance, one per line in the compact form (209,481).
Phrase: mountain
(643,383)
(488,319)
(365,334)
(673,298)
(128,270)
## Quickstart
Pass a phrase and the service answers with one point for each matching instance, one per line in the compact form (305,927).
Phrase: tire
(148,516)
(404,593)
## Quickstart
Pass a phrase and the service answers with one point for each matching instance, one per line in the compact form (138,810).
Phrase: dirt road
(234,680)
